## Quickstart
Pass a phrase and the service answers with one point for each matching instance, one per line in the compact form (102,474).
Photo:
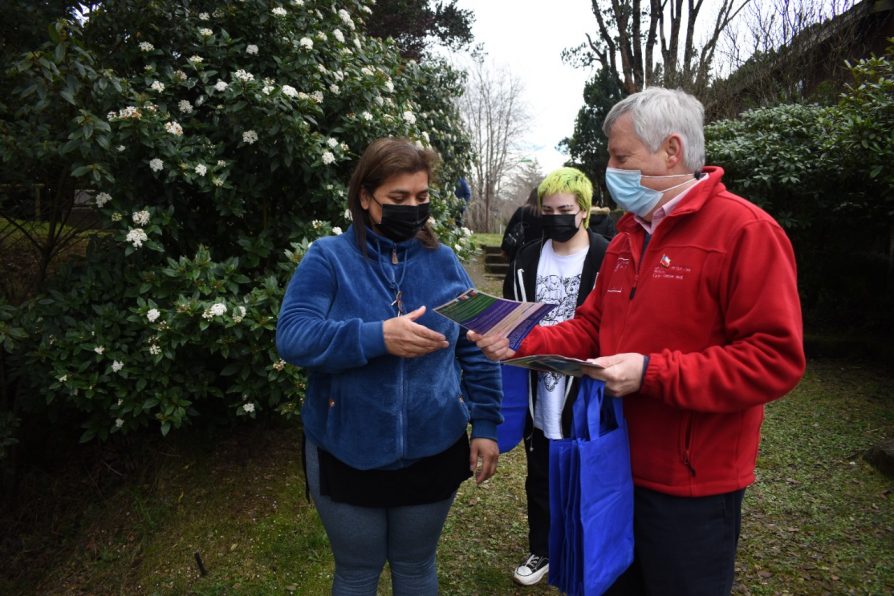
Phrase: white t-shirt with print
(558,282)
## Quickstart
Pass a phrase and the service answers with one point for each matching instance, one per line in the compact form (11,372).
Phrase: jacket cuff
(484,429)
(372,339)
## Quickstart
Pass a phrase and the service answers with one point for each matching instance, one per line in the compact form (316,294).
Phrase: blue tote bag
(591,496)
(514,406)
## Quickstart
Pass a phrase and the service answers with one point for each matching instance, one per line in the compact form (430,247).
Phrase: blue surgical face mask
(625,187)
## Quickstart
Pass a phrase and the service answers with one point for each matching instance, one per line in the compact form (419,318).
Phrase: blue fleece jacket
(368,408)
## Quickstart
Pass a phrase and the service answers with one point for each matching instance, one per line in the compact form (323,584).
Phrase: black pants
(683,545)
(537,491)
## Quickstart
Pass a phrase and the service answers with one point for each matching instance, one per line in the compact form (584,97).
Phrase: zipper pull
(394,260)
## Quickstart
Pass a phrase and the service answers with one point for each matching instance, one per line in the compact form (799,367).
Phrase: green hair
(569,180)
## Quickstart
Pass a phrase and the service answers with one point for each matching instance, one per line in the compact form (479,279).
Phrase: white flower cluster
(157,86)
(145,46)
(99,349)
(117,366)
(154,349)
(180,75)
(338,35)
(239,314)
(251,49)
(220,85)
(119,422)
(174,128)
(346,18)
(366,116)
(137,236)
(130,112)
(201,169)
(279,11)
(117,216)
(250,137)
(156,164)
(205,32)
(102,198)
(184,106)
(153,315)
(327,157)
(217,309)
(249,407)
(141,218)
(409,117)
(316,224)
(203,16)
(279,364)
(195,59)
(244,76)
(306,43)
(466,231)
(337,230)
(289,91)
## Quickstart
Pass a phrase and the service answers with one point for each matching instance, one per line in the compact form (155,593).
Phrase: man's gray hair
(657,114)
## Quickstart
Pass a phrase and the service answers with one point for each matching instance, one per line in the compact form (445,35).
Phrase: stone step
(497,268)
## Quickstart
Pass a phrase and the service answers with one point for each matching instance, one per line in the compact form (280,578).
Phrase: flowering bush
(220,141)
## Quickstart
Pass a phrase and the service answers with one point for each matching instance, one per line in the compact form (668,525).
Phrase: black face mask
(560,228)
(401,222)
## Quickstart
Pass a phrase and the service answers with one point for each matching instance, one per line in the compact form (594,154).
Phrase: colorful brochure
(554,363)
(483,313)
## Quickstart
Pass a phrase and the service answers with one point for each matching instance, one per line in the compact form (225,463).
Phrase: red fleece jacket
(713,301)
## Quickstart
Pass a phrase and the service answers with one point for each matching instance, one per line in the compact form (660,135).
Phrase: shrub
(217,139)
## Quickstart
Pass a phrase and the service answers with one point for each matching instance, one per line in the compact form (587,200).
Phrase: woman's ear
(364,199)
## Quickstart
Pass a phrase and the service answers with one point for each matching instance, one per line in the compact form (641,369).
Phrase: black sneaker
(532,570)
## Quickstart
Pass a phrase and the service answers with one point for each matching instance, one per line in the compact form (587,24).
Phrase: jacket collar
(378,246)
(691,203)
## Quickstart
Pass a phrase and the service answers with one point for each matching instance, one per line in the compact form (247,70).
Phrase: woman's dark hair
(381,160)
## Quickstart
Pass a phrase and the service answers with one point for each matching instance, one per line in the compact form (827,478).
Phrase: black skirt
(428,480)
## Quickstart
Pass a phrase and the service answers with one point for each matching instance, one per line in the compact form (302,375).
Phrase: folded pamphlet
(483,313)
(554,363)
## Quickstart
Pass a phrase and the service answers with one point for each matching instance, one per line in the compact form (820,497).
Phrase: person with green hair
(558,269)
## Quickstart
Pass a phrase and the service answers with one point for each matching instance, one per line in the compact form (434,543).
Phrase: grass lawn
(131,518)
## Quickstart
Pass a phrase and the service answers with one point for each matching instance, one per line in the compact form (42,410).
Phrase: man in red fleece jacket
(696,320)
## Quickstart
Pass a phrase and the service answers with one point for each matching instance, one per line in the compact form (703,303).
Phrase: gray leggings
(363,538)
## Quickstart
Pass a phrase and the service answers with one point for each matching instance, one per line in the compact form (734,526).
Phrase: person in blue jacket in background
(392,386)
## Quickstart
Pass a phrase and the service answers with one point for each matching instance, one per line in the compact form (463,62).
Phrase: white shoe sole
(530,580)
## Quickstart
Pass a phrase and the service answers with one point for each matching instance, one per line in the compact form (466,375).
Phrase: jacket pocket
(685,442)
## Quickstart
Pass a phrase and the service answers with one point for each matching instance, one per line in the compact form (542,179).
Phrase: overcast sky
(528,37)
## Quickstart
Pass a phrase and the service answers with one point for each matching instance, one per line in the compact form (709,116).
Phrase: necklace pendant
(399,303)
(394,260)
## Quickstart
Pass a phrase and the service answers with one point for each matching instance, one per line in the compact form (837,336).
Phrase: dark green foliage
(415,24)
(825,173)
(588,146)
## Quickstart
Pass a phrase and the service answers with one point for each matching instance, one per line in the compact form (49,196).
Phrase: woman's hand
(486,453)
(408,339)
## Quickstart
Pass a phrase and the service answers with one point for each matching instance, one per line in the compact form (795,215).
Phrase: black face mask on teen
(401,222)
(560,228)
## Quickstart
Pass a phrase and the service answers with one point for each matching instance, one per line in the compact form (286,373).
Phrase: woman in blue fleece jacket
(392,385)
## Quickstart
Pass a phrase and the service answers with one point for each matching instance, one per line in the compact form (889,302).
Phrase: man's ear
(673,151)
